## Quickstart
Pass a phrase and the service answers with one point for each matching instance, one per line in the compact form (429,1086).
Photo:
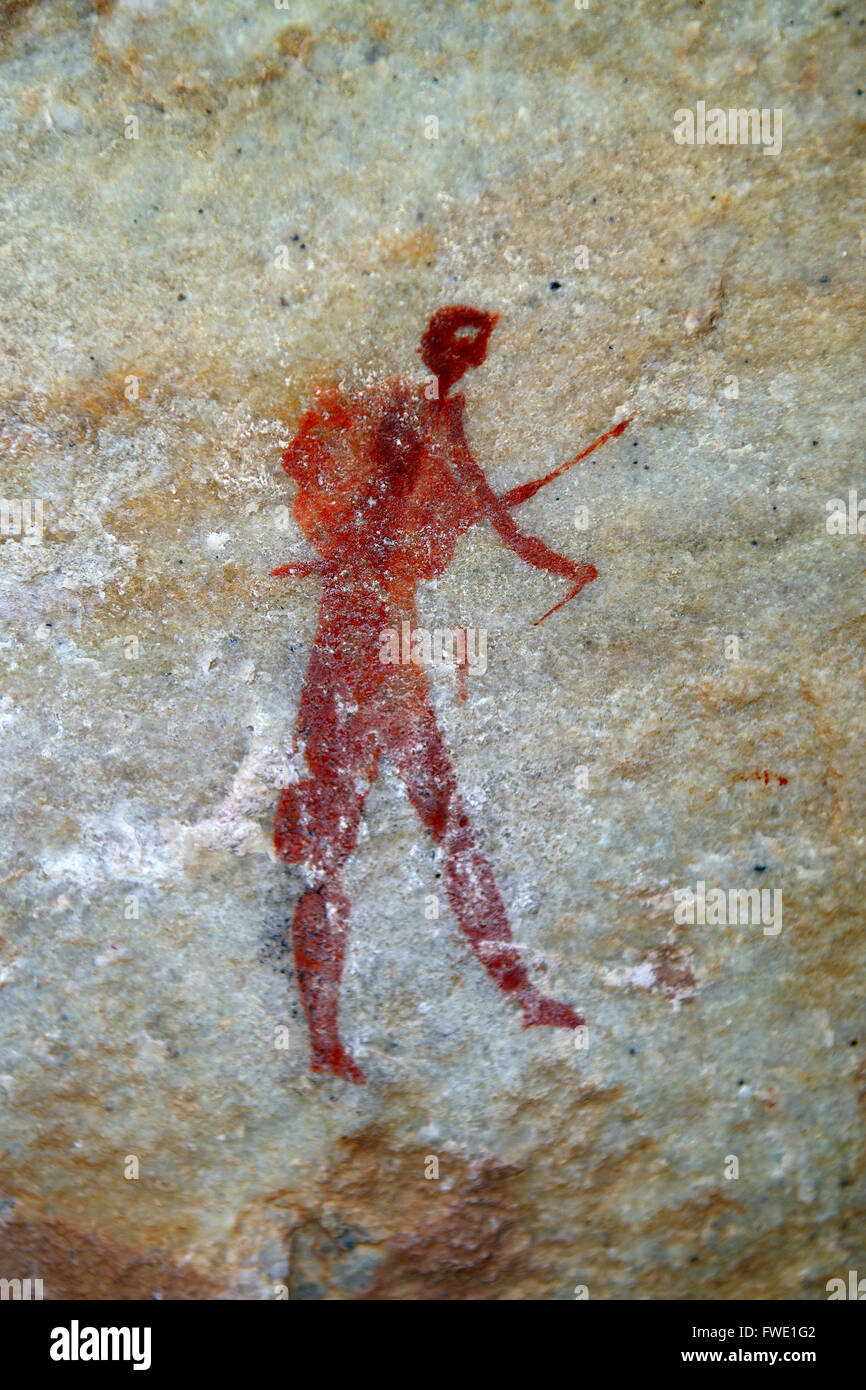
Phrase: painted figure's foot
(539,1011)
(339,1061)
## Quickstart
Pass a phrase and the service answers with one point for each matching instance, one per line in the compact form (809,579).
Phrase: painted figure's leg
(317,825)
(424,765)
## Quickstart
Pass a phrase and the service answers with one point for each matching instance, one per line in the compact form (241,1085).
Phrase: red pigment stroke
(386,486)
(765,777)
(462,665)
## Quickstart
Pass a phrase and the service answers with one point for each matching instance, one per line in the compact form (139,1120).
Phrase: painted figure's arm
(298,569)
(495,510)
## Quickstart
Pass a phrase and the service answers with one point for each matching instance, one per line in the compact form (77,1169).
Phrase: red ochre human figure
(386,485)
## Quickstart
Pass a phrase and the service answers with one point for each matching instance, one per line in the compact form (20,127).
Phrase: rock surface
(209,210)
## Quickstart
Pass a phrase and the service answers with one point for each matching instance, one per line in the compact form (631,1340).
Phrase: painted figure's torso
(378,494)
(379,499)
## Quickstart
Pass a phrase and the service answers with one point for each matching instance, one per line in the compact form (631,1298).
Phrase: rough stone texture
(151,782)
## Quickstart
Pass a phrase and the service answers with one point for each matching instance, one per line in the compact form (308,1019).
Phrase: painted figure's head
(456,340)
